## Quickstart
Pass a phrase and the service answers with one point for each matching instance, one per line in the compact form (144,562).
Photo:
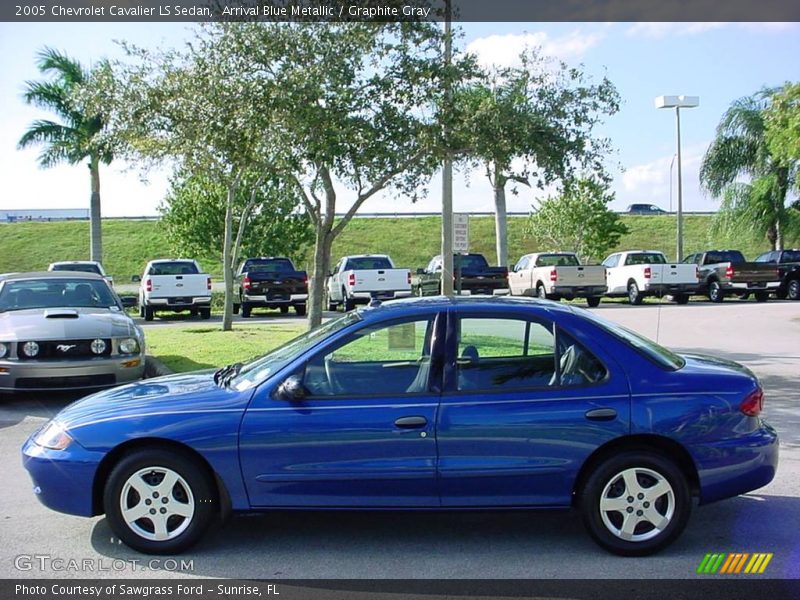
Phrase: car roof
(50,275)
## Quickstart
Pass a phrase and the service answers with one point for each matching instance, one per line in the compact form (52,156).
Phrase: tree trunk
(322,259)
(96,235)
(227,270)
(772,236)
(778,235)
(500,221)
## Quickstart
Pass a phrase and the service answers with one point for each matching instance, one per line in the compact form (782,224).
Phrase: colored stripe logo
(733,563)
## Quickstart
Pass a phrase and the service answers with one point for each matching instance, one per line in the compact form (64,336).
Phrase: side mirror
(420,271)
(136,279)
(291,390)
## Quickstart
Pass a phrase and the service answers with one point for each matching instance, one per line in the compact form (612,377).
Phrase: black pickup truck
(723,272)
(477,277)
(270,282)
(788,263)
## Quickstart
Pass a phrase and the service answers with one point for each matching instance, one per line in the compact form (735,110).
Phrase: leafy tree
(75,138)
(739,167)
(531,125)
(578,220)
(783,127)
(194,220)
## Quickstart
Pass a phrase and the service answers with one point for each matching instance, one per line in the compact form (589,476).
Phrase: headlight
(53,436)
(3,350)
(98,346)
(30,349)
(129,346)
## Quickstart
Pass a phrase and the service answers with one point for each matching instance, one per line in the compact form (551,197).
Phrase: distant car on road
(65,331)
(175,285)
(270,282)
(788,263)
(645,209)
(425,403)
(81,266)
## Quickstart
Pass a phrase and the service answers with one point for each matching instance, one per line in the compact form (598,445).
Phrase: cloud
(504,50)
(662,30)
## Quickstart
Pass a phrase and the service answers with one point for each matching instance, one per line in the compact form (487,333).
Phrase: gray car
(65,330)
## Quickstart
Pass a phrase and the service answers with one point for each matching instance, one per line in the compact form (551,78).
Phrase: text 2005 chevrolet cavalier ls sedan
(426,403)
(65,330)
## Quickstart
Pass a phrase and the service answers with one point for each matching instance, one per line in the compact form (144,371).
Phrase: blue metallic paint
(522,448)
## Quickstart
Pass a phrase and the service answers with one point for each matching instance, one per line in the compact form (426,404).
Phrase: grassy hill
(411,242)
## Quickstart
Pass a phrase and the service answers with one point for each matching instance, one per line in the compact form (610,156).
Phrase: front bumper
(92,373)
(62,479)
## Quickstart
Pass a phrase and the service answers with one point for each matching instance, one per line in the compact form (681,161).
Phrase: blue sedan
(429,403)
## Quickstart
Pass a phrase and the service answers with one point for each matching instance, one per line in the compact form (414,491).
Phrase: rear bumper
(268,301)
(659,289)
(94,373)
(363,297)
(738,465)
(750,286)
(486,292)
(578,291)
(196,302)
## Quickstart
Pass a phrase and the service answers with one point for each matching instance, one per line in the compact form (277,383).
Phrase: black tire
(284,310)
(332,306)
(141,311)
(540,292)
(593,302)
(193,490)
(762,296)
(715,293)
(235,309)
(681,298)
(347,303)
(606,481)
(300,309)
(148,313)
(246,309)
(634,295)
(205,313)
(793,289)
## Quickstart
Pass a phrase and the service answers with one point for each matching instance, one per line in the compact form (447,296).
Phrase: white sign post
(460,243)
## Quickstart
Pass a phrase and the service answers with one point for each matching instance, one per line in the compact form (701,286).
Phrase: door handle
(409,422)
(601,414)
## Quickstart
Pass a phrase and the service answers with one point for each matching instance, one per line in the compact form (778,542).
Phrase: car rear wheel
(246,311)
(540,292)
(148,313)
(682,299)
(634,295)
(762,296)
(635,503)
(593,302)
(300,309)
(205,313)
(793,290)
(715,293)
(348,303)
(159,501)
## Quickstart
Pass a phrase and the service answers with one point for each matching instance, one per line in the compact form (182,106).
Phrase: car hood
(185,393)
(64,324)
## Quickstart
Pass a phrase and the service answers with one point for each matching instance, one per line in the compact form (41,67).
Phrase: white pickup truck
(174,285)
(640,273)
(557,275)
(356,279)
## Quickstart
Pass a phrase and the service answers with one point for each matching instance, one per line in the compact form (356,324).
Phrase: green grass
(193,347)
(411,242)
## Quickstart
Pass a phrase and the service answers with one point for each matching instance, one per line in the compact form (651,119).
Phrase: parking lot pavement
(455,544)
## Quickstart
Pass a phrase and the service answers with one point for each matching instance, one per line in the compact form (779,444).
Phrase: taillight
(351,279)
(148,285)
(730,272)
(208,282)
(246,282)
(305,279)
(553,275)
(753,403)
(648,272)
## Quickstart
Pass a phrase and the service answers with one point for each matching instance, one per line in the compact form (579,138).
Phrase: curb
(153,367)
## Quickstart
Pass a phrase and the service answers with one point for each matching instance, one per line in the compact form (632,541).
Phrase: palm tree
(739,167)
(72,140)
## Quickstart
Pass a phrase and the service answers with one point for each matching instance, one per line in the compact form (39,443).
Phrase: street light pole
(671,164)
(678,102)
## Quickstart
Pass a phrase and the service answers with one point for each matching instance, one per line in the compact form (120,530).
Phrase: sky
(719,62)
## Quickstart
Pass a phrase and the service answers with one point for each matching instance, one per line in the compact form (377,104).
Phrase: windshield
(557,260)
(791,256)
(658,354)
(471,261)
(80,267)
(258,370)
(56,293)
(276,265)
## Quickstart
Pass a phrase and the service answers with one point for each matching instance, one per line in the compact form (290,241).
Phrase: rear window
(174,268)
(731,256)
(791,256)
(275,265)
(368,263)
(645,258)
(472,261)
(557,260)
(79,267)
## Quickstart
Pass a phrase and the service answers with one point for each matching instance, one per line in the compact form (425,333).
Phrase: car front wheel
(793,290)
(635,503)
(159,501)
(715,293)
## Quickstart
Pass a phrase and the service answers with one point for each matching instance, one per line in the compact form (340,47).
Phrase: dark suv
(645,209)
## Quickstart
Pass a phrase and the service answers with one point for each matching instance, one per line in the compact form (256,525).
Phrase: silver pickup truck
(557,275)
